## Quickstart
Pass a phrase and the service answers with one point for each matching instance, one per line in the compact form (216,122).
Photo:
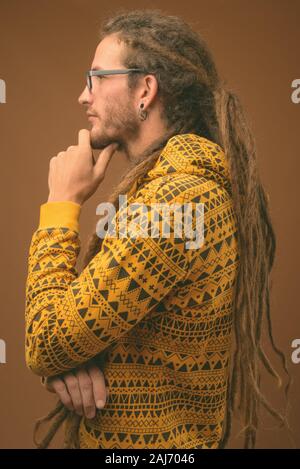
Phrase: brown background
(45,48)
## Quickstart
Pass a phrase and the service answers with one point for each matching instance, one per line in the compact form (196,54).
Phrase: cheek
(97,105)
(110,99)
(103,102)
(116,92)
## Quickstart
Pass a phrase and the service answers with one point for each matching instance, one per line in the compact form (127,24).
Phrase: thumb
(104,159)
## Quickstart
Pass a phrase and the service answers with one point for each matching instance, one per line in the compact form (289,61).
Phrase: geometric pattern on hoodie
(156,316)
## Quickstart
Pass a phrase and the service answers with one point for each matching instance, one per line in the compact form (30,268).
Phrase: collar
(191,154)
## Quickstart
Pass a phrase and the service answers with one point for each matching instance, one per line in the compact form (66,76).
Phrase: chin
(99,141)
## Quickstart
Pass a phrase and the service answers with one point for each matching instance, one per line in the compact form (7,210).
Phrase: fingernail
(100,404)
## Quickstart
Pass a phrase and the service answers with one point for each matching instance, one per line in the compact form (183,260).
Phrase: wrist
(64,198)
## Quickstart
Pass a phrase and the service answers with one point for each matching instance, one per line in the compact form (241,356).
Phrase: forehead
(109,53)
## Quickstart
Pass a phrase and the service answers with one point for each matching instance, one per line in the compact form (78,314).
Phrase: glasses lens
(89,82)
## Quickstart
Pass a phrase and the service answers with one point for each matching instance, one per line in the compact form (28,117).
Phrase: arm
(71,318)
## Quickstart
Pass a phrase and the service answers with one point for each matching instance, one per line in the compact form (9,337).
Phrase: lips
(91,117)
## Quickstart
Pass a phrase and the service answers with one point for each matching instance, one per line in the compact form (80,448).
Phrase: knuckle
(86,385)
(58,385)
(71,382)
(72,386)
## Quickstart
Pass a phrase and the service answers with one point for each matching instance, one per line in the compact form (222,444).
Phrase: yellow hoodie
(161,312)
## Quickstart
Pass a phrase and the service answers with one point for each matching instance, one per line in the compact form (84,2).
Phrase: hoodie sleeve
(71,318)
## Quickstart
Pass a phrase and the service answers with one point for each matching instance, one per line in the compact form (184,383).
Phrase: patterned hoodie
(160,312)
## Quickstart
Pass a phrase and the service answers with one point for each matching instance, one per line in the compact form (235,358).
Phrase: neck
(152,131)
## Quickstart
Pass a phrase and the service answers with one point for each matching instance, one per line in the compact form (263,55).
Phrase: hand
(73,176)
(81,391)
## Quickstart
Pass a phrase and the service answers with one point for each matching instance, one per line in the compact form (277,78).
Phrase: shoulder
(181,187)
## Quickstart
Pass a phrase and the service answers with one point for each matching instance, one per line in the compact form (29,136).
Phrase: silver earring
(142,113)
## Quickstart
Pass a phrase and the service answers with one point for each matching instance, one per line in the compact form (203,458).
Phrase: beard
(119,124)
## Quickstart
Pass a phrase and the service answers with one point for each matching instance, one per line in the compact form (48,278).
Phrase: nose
(85,97)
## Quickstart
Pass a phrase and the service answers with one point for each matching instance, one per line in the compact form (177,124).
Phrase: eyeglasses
(99,73)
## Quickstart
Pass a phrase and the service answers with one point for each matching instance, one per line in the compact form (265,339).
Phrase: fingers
(84,138)
(61,390)
(83,392)
(104,159)
(99,388)
(48,384)
(86,389)
(73,147)
(72,384)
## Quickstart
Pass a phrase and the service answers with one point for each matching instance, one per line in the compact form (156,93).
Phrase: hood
(192,154)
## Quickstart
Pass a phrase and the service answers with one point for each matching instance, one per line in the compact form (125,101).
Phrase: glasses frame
(99,73)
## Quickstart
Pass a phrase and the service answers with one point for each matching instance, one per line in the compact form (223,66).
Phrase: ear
(148,90)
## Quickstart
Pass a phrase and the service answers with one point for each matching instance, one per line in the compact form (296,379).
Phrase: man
(149,315)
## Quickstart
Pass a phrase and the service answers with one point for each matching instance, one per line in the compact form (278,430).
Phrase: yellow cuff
(63,214)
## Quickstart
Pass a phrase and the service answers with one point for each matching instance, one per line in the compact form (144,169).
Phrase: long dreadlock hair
(195,100)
